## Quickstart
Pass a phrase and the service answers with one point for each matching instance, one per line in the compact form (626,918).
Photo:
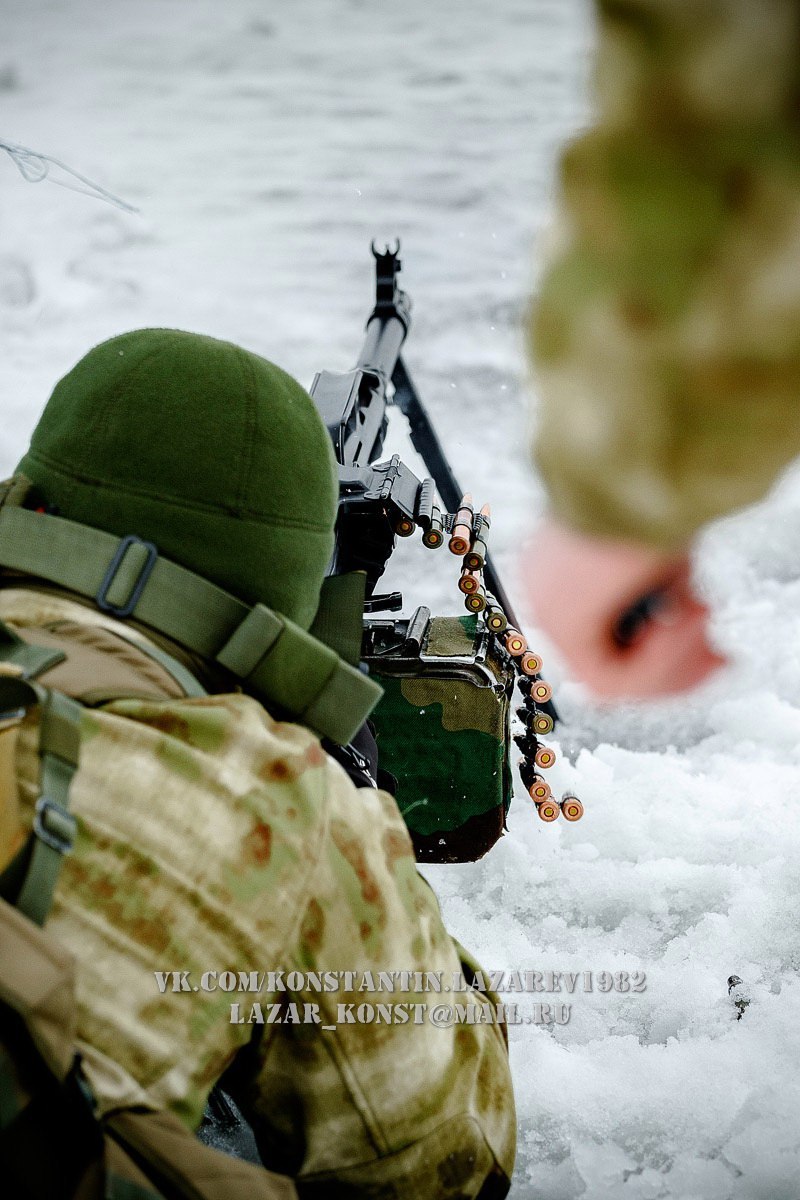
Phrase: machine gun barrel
(382,346)
(353,404)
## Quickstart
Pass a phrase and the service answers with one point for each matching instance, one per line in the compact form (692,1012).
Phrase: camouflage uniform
(213,838)
(667,331)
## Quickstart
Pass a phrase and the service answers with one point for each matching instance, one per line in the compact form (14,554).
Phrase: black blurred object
(224,1128)
(631,624)
(360,760)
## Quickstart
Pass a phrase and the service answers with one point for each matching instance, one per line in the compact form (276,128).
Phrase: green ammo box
(442,729)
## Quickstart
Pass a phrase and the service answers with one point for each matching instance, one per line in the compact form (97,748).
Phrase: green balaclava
(212,453)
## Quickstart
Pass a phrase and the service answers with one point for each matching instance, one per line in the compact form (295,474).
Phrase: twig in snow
(34,167)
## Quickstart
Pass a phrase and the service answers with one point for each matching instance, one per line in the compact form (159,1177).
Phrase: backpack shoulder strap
(29,881)
(24,659)
(278,662)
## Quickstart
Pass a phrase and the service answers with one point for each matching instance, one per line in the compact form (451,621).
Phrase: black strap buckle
(125,610)
(54,826)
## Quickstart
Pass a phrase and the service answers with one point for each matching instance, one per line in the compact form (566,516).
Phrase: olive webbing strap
(77,557)
(275,658)
(29,881)
(31,660)
(339,622)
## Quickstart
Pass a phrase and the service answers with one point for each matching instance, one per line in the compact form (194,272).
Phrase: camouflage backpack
(53,1144)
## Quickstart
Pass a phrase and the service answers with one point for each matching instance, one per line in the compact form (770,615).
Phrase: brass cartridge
(571,807)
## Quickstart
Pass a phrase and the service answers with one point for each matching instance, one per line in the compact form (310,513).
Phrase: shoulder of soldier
(142,732)
(256,784)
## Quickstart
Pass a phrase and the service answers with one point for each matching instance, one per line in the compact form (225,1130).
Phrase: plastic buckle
(125,610)
(54,826)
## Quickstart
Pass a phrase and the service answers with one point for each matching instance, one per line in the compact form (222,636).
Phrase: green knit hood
(214,454)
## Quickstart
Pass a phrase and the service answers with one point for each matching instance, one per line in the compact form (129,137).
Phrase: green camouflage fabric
(666,334)
(444,735)
(213,838)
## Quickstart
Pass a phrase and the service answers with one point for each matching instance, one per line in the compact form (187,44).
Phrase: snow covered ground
(266,144)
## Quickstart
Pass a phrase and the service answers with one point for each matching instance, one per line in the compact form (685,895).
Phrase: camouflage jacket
(666,334)
(214,839)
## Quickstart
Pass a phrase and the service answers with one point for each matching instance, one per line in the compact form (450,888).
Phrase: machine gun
(444,725)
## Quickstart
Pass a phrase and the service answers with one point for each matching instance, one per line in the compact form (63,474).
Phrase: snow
(266,146)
